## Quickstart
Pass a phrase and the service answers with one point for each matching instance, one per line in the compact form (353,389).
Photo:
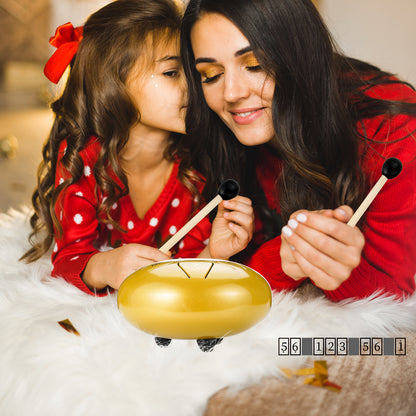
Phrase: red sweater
(388,262)
(84,235)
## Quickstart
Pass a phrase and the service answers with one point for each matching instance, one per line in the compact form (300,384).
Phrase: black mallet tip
(391,168)
(229,189)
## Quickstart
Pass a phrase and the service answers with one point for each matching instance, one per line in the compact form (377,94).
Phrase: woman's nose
(235,87)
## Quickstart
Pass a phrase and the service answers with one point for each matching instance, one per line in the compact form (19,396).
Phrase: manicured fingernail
(342,212)
(292,224)
(291,247)
(301,217)
(226,214)
(287,231)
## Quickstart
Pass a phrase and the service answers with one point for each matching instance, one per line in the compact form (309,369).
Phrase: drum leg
(162,342)
(208,344)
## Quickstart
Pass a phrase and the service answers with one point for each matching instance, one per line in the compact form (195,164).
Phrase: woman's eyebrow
(204,60)
(240,52)
(243,51)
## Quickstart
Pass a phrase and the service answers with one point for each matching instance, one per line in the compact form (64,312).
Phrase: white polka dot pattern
(78,218)
(85,229)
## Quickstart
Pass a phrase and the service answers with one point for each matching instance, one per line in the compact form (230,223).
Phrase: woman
(115,182)
(306,131)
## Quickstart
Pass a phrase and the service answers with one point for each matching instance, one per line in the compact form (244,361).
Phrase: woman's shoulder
(392,88)
(362,77)
(388,136)
(395,129)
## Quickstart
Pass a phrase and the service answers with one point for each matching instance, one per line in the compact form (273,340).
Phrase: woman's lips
(246,116)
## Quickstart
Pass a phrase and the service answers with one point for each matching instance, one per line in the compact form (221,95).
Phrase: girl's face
(234,84)
(159,89)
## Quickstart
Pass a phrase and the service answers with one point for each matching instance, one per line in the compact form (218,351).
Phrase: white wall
(382,32)
(74,11)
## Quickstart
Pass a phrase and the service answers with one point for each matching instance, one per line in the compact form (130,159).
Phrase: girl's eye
(171,74)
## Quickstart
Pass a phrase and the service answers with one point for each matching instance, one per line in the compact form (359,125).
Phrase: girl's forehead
(160,43)
(156,49)
(167,47)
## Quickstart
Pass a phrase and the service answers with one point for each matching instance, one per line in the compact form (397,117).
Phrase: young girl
(114,184)
(306,131)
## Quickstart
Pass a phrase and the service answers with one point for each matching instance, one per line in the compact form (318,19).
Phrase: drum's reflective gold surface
(194,298)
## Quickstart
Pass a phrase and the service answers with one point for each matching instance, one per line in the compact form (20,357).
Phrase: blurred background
(379,31)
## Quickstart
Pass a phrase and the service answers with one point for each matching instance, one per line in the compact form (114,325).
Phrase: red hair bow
(66,40)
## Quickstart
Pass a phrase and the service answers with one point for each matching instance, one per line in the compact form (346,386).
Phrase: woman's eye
(210,76)
(252,64)
(254,68)
(209,79)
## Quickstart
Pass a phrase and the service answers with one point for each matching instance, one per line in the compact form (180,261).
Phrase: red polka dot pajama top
(83,235)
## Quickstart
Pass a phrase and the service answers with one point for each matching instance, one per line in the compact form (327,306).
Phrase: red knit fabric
(83,235)
(388,263)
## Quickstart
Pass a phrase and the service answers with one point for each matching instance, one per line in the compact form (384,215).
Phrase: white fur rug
(113,368)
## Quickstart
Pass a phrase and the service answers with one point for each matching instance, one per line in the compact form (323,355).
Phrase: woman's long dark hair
(96,101)
(319,98)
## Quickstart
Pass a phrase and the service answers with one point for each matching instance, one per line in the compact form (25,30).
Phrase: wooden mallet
(227,190)
(391,168)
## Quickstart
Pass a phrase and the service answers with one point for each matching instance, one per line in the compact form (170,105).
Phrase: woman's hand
(110,268)
(320,245)
(232,228)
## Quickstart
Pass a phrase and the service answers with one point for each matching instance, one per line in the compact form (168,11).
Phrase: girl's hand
(232,228)
(110,268)
(320,245)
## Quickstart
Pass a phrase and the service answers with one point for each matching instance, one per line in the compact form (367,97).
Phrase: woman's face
(234,84)
(159,89)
